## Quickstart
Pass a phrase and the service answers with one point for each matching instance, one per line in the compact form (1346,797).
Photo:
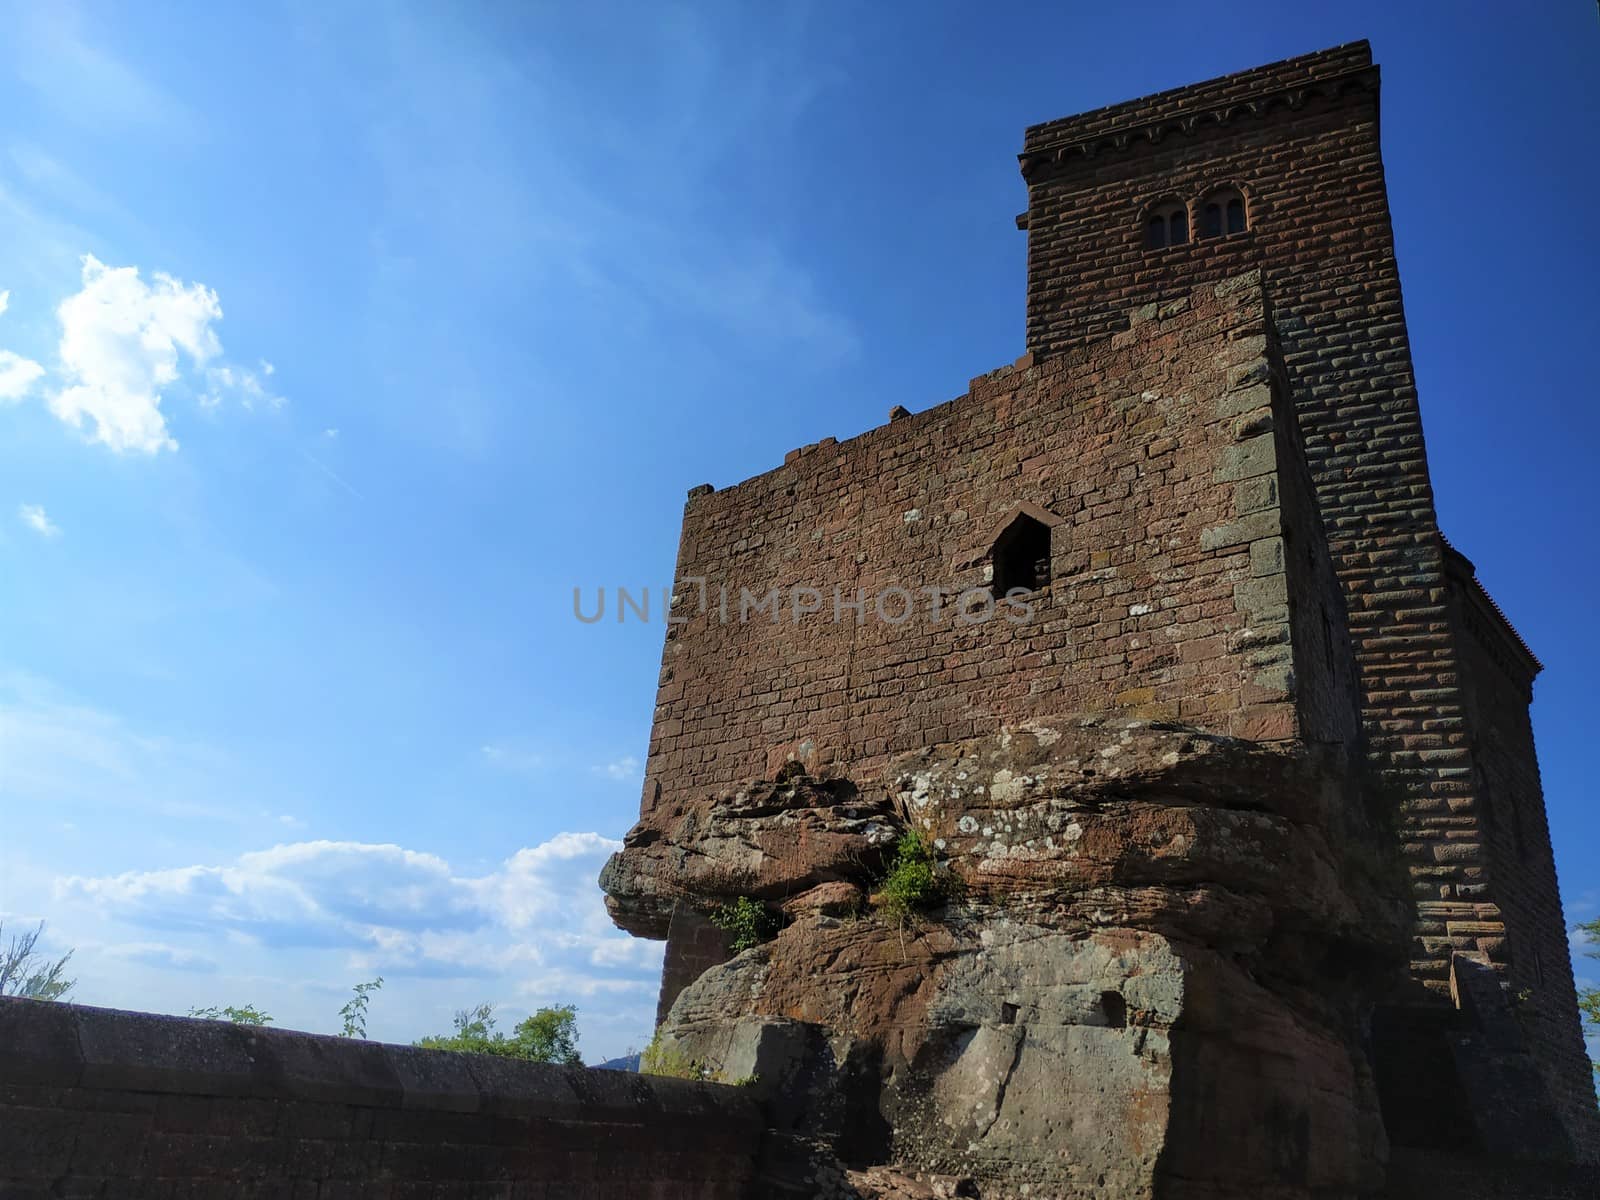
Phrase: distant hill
(628,1062)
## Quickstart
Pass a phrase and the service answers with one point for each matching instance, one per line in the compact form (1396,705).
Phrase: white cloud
(397,911)
(1579,943)
(121,339)
(532,931)
(290,925)
(17,374)
(626,767)
(538,882)
(36,519)
(302,893)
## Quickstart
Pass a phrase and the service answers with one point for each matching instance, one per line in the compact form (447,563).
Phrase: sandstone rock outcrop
(773,840)
(1130,996)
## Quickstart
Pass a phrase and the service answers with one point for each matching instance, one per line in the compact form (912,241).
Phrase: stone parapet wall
(97,1102)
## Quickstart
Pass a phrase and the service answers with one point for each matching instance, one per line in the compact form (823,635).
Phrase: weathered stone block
(1254,456)
(1256,526)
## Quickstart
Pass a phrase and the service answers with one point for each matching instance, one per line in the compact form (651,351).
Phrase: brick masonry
(1499,669)
(1155,457)
(95,1102)
(1300,140)
(694,946)
(1274,572)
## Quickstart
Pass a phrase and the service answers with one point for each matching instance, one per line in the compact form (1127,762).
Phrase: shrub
(747,922)
(239,1014)
(658,1058)
(548,1036)
(913,882)
(353,1015)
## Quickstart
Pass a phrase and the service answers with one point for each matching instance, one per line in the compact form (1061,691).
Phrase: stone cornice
(1189,121)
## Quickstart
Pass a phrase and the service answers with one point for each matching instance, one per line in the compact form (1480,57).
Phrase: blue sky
(342,342)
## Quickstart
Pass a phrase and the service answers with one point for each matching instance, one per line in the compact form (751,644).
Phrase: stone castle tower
(1251,887)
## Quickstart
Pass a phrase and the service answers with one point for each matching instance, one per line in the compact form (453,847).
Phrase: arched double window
(1167,225)
(1222,213)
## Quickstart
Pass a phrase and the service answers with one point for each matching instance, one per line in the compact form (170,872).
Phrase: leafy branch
(353,1015)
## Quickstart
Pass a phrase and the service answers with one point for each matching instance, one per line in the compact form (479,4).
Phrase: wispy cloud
(510,756)
(36,519)
(88,84)
(159,954)
(55,180)
(546,197)
(70,755)
(248,387)
(626,767)
(330,474)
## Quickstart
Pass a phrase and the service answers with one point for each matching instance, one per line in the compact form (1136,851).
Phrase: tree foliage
(27,973)
(548,1036)
(1589,998)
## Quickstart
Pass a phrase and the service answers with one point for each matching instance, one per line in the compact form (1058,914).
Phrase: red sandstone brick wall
(1156,451)
(694,946)
(101,1103)
(1301,141)
(1498,672)
(1326,684)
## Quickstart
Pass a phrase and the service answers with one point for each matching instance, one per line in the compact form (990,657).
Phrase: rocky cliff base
(1143,971)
